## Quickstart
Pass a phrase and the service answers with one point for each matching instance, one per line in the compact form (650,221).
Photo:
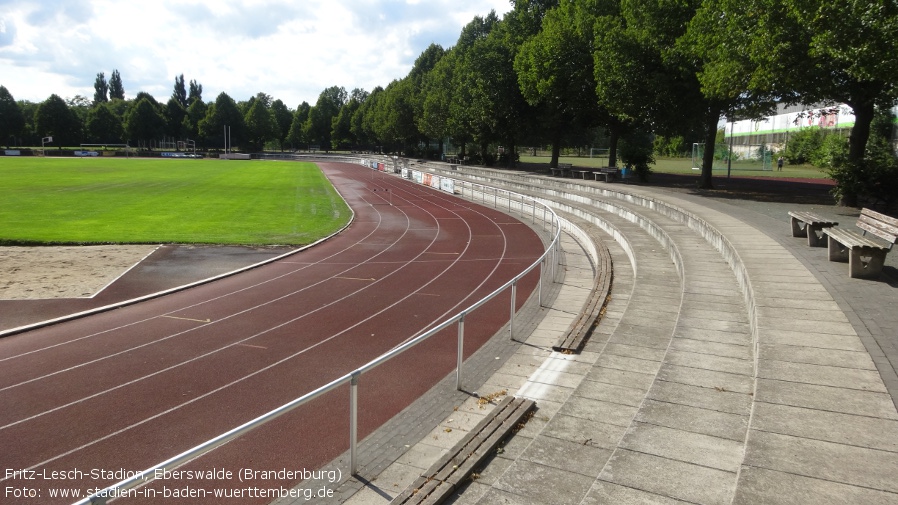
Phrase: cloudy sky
(290,49)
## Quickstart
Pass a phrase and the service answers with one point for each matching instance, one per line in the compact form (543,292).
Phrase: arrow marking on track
(356,279)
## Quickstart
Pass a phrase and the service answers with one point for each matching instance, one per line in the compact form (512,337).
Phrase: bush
(636,151)
(832,148)
(802,145)
(875,178)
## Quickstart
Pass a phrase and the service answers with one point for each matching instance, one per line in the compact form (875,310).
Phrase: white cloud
(290,50)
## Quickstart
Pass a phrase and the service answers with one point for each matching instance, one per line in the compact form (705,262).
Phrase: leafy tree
(196,91)
(116,88)
(813,51)
(103,126)
(295,135)
(364,120)
(487,105)
(319,125)
(464,81)
(221,114)
(12,121)
(29,111)
(143,94)
(195,113)
(143,120)
(53,118)
(174,114)
(101,89)
(433,119)
(284,117)
(342,135)
(555,71)
(180,92)
(260,125)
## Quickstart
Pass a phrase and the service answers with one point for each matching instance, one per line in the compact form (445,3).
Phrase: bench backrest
(881,225)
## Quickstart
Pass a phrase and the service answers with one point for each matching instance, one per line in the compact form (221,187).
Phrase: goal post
(746,157)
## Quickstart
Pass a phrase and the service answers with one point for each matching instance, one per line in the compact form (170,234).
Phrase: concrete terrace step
(798,409)
(661,385)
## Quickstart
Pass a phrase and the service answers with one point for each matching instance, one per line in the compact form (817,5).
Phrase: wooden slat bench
(575,337)
(451,470)
(808,224)
(847,245)
(610,173)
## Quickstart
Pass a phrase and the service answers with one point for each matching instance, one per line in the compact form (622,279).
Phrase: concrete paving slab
(715,399)
(737,351)
(857,466)
(724,337)
(634,351)
(759,486)
(541,483)
(693,419)
(603,493)
(707,378)
(611,393)
(597,410)
(861,431)
(625,378)
(572,457)
(826,398)
(666,477)
(684,446)
(584,431)
(627,363)
(851,378)
(713,324)
(848,342)
(806,325)
(710,362)
(817,356)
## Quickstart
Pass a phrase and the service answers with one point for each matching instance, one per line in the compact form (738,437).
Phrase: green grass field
(114,200)
(684,166)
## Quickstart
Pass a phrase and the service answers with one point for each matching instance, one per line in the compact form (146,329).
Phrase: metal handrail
(140,478)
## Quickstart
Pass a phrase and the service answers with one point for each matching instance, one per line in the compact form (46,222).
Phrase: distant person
(779,163)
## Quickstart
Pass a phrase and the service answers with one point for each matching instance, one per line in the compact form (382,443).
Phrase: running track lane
(126,389)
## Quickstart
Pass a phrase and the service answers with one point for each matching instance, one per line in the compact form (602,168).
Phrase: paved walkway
(754,371)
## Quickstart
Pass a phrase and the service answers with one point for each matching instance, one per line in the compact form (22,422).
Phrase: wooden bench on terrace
(808,224)
(865,256)
(561,169)
(609,173)
(454,468)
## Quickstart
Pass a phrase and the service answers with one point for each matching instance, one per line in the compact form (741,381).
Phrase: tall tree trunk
(711,121)
(613,139)
(857,144)
(556,148)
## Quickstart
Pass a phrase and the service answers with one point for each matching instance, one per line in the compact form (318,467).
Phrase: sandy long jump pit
(35,273)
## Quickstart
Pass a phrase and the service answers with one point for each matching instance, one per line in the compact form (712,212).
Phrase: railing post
(514,291)
(461,349)
(539,287)
(353,421)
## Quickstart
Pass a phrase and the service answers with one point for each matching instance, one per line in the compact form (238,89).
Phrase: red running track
(126,389)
